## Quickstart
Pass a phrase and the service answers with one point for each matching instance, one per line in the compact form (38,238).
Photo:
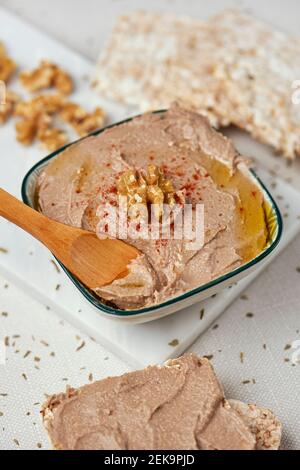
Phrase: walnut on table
(8,107)
(80,120)
(47,75)
(29,128)
(7,65)
(37,119)
(42,104)
(52,138)
(26,131)
(38,114)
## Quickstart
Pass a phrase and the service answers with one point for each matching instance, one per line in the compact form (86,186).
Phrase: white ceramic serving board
(28,264)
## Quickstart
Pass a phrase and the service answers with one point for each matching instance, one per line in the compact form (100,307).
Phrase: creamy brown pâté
(201,166)
(180,405)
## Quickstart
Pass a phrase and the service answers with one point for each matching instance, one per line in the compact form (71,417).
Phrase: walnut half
(147,188)
(47,75)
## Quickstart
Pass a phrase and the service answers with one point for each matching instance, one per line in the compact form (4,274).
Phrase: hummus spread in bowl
(169,157)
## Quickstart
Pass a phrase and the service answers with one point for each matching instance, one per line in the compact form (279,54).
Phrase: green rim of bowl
(274,220)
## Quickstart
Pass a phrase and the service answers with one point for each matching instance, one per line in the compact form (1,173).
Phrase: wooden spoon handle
(95,262)
(22,215)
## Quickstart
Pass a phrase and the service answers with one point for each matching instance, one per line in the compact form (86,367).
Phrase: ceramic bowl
(274,224)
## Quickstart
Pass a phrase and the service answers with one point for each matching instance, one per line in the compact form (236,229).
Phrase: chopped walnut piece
(7,109)
(37,115)
(92,122)
(156,179)
(48,103)
(63,82)
(43,104)
(28,129)
(37,119)
(7,65)
(47,75)
(52,139)
(39,79)
(133,186)
(160,190)
(151,187)
(72,113)
(155,195)
(82,121)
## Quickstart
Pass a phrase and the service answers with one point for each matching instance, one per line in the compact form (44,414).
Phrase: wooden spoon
(95,262)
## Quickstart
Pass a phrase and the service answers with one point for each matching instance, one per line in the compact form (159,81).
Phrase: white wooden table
(48,354)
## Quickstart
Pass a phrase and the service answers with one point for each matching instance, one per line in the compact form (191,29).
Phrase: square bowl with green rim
(274,227)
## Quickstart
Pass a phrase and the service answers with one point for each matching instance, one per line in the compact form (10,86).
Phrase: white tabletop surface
(57,354)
